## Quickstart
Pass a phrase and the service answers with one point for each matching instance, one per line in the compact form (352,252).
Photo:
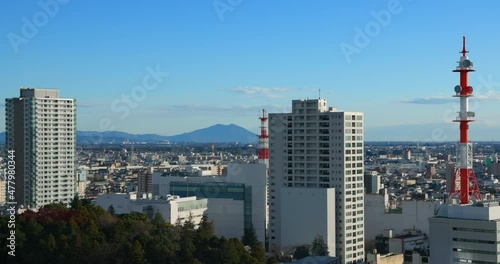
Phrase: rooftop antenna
(319,92)
(464,182)
(263,139)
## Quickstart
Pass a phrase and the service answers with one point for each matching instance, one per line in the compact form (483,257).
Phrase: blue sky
(227,59)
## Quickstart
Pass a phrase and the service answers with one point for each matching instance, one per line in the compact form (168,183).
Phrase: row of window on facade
(289,118)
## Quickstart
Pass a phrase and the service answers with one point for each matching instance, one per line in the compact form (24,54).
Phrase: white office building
(466,233)
(174,209)
(81,184)
(413,214)
(235,202)
(316,146)
(309,222)
(41,128)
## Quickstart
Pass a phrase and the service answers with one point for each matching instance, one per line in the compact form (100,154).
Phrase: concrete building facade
(373,182)
(409,240)
(466,233)
(414,214)
(236,201)
(316,146)
(174,209)
(82,181)
(145,183)
(41,128)
(375,258)
(301,204)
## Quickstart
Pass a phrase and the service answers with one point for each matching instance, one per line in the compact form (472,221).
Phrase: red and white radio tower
(263,139)
(464,180)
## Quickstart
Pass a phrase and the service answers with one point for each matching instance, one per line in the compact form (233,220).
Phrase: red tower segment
(263,139)
(464,180)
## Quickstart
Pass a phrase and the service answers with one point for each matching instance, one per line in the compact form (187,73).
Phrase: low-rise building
(145,183)
(81,183)
(377,258)
(416,258)
(466,233)
(410,240)
(319,260)
(235,202)
(174,209)
(380,217)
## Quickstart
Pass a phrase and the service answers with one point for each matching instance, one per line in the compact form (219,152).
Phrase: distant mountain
(217,134)
(438,132)
(214,134)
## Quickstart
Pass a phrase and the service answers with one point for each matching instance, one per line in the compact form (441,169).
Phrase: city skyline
(205,64)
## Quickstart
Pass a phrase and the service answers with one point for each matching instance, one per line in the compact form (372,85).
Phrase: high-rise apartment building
(372,182)
(41,128)
(316,146)
(144,183)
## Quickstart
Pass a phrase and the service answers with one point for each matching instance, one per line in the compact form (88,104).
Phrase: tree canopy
(301,252)
(319,246)
(249,237)
(86,233)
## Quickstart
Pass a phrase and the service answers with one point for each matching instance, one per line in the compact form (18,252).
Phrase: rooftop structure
(466,233)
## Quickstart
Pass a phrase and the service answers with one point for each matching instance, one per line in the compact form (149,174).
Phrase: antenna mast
(464,180)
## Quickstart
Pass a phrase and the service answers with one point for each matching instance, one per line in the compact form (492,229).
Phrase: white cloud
(430,100)
(260,91)
(488,96)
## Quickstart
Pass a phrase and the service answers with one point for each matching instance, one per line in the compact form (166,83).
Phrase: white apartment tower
(316,146)
(41,128)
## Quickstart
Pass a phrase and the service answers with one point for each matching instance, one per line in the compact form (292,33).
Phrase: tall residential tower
(41,128)
(316,147)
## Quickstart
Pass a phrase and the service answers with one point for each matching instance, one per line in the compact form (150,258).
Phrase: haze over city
(209,62)
(237,131)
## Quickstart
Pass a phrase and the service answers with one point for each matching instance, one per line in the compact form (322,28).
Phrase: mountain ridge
(218,133)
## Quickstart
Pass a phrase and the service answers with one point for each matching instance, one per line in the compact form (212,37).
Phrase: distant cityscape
(390,189)
(214,150)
